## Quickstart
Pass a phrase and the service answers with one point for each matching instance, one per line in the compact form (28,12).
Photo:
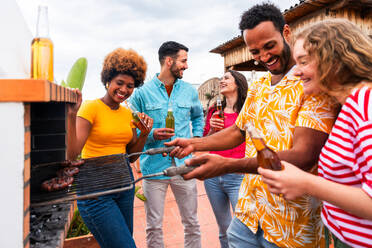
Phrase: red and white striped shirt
(346,158)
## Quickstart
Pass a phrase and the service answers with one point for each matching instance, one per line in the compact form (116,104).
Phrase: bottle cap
(130,106)
(169,106)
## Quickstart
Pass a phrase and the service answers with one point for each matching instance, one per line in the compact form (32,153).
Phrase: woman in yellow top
(103,127)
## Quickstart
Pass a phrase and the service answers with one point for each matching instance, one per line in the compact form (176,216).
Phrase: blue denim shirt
(152,99)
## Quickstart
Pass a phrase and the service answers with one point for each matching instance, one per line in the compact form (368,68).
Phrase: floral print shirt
(275,111)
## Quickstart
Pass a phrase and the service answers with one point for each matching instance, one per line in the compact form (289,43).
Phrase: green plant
(76,76)
(77,226)
(139,195)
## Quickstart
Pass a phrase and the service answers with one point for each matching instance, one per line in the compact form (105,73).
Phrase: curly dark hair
(170,48)
(122,61)
(260,13)
(241,83)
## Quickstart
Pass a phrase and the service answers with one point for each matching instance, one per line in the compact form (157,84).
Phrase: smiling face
(227,84)
(306,68)
(120,88)
(269,47)
(179,64)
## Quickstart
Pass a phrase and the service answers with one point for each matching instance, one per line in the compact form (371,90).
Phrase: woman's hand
(216,123)
(291,182)
(74,107)
(147,121)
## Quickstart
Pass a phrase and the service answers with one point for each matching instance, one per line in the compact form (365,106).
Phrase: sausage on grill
(69,163)
(68,171)
(57,183)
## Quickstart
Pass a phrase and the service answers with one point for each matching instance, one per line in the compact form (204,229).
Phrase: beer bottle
(220,114)
(137,120)
(169,120)
(266,158)
(219,108)
(42,48)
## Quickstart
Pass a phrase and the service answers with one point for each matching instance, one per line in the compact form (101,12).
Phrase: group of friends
(312,108)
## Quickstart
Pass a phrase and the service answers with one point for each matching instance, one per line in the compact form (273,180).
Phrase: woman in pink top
(223,191)
(335,56)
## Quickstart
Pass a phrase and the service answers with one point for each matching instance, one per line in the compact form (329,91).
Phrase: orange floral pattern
(275,111)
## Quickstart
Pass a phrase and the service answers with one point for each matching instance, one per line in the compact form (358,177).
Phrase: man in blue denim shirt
(153,98)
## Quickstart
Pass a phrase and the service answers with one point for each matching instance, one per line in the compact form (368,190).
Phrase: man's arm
(307,144)
(225,139)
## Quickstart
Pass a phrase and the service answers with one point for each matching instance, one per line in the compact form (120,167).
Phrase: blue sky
(93,28)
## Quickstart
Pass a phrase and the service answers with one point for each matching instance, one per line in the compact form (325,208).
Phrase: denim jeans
(110,218)
(239,235)
(223,192)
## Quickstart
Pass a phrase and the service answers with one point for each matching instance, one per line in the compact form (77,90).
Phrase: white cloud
(92,28)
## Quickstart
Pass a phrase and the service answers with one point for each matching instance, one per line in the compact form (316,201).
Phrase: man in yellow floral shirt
(293,124)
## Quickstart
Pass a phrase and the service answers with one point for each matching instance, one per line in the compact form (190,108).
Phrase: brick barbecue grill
(36,110)
(34,126)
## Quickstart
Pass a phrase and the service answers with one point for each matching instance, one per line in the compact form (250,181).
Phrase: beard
(284,58)
(176,73)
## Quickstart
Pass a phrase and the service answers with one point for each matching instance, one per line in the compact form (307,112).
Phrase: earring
(106,85)
(255,62)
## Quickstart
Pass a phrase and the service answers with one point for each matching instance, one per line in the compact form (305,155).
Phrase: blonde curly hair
(343,54)
(122,61)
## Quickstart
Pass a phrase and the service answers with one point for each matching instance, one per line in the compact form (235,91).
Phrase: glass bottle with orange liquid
(137,120)
(219,112)
(266,158)
(42,48)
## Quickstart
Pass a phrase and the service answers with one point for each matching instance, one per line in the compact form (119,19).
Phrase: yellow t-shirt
(111,129)
(275,111)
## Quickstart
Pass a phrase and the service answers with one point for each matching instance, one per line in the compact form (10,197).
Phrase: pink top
(237,152)
(346,158)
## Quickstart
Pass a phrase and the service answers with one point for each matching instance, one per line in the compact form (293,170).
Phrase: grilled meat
(68,171)
(75,163)
(57,183)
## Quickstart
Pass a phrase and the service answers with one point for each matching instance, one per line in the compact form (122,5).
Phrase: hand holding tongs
(153,151)
(171,171)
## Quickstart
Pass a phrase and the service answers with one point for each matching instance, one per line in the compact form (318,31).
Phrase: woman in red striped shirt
(335,56)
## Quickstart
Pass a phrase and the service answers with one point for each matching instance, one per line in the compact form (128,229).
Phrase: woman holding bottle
(223,191)
(334,56)
(103,127)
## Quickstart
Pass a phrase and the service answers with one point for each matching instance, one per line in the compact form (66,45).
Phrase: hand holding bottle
(289,182)
(145,123)
(138,119)
(216,122)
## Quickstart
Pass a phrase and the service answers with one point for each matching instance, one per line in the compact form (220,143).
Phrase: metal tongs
(173,170)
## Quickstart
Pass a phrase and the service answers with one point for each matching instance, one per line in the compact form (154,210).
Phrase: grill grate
(95,175)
